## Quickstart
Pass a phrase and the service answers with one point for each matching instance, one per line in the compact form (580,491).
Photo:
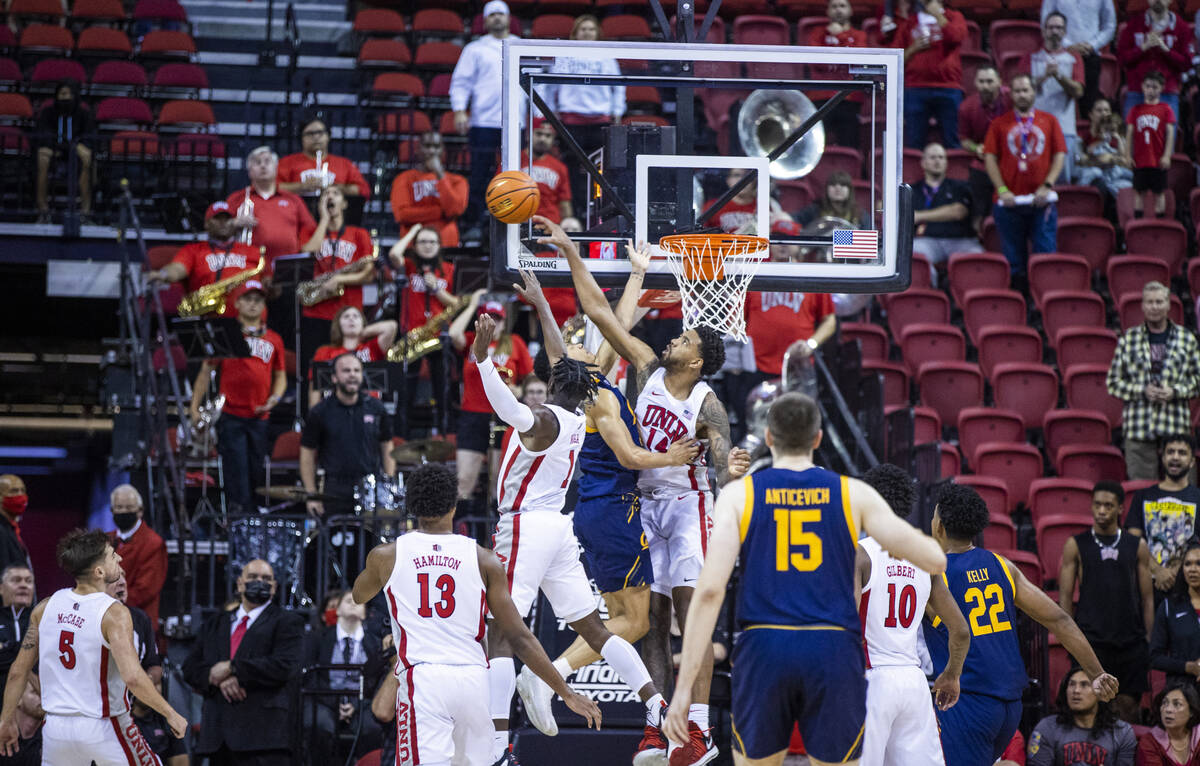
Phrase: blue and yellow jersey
(983,588)
(600,473)
(797,558)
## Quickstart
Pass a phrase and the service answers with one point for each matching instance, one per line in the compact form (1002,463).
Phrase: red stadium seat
(993,491)
(921,271)
(159,11)
(439,85)
(917,305)
(1059,659)
(974,271)
(911,171)
(1091,462)
(1129,310)
(1085,345)
(134,143)
(98,11)
(1000,533)
(437,22)
(1071,308)
(927,426)
(921,342)
(1057,271)
(833,159)
(1110,75)
(1125,200)
(986,308)
(1030,390)
(643,96)
(1131,486)
(15,106)
(167,43)
(103,41)
(760,30)
(552,26)
(380,21)
(950,387)
(8,41)
(1026,562)
(1128,274)
(196,146)
(1015,464)
(46,39)
(10,71)
(1052,533)
(716,32)
(1063,427)
(958,163)
(951,464)
(794,195)
(187,114)
(1093,238)
(972,61)
(627,26)
(124,110)
(124,73)
(390,83)
(382,52)
(1181,176)
(1082,201)
(895,381)
(1165,239)
(411,122)
(872,338)
(1008,36)
(53,71)
(1086,390)
(440,56)
(21,11)
(987,425)
(1061,496)
(1004,343)
(181,75)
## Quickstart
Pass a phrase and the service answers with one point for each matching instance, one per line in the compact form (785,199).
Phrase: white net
(713,272)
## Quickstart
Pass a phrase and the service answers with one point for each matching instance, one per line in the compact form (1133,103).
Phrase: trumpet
(246,209)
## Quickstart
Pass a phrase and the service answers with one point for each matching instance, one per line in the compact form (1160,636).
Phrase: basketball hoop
(713,272)
(659,299)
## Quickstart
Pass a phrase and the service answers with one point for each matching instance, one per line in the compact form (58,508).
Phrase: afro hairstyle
(574,379)
(962,511)
(895,486)
(431,491)
(712,351)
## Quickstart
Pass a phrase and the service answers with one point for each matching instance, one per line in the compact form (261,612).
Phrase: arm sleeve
(955,31)
(355,177)
(1189,381)
(505,405)
(1126,745)
(1127,50)
(1179,53)
(311,435)
(1107,28)
(991,142)
(273,670)
(149,576)
(401,196)
(1042,744)
(460,80)
(452,192)
(1118,382)
(1147,752)
(1160,644)
(1134,519)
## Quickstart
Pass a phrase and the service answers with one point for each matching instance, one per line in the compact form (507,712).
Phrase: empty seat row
(162,11)
(51,40)
(47,72)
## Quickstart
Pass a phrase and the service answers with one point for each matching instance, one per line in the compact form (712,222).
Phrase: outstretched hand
(485,329)
(639,257)
(554,233)
(584,707)
(531,291)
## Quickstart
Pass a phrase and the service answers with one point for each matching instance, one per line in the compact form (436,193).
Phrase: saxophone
(309,292)
(210,299)
(424,339)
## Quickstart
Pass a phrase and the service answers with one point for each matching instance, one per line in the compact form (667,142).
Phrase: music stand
(300,267)
(210,337)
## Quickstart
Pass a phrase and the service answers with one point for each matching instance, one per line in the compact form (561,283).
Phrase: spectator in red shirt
(1158,39)
(777,322)
(1149,143)
(549,172)
(989,101)
(841,126)
(932,38)
(740,210)
(349,332)
(429,194)
(143,553)
(1024,152)
(335,245)
(476,436)
(276,217)
(301,173)
(220,257)
(252,386)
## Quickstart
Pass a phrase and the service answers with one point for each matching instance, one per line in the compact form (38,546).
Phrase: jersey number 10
(789,533)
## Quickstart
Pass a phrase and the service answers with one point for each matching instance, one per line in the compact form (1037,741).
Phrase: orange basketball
(513,197)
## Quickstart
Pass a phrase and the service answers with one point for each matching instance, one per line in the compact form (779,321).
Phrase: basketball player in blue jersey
(798,658)
(989,590)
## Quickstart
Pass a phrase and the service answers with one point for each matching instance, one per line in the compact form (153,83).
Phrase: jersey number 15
(790,533)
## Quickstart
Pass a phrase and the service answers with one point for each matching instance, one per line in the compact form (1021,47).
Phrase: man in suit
(243,663)
(348,642)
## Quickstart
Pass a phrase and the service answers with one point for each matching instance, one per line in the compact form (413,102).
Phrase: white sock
(698,714)
(654,707)
(502,684)
(563,667)
(624,659)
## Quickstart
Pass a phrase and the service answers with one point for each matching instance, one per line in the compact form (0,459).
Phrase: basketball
(513,197)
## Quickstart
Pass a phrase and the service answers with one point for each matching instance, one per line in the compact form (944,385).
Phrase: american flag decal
(855,243)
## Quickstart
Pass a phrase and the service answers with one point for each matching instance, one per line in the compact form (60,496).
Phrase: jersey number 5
(989,600)
(66,649)
(789,532)
(444,607)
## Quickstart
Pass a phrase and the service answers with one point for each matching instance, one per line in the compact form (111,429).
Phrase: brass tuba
(424,339)
(767,118)
(210,299)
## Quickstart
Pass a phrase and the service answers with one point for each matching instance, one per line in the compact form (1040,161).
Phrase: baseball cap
(496,308)
(221,207)
(495,6)
(252,285)
(540,121)
(783,226)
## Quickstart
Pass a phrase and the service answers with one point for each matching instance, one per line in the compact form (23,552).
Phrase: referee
(348,434)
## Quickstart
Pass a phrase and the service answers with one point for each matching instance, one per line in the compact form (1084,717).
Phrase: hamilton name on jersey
(436,560)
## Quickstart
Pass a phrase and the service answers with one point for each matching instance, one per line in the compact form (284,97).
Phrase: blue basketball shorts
(614,543)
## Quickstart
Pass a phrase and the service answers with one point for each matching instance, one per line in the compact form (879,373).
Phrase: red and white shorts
(901,727)
(442,717)
(677,526)
(75,740)
(538,550)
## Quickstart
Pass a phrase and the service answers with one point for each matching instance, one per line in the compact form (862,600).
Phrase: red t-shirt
(776,320)
(974,116)
(281,219)
(416,313)
(246,381)
(513,368)
(1015,751)
(731,217)
(1149,123)
(339,249)
(939,65)
(297,168)
(370,351)
(206,263)
(848,38)
(1038,137)
(553,185)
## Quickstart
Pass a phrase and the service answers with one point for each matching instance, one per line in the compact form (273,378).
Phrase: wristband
(1002,190)
(812,343)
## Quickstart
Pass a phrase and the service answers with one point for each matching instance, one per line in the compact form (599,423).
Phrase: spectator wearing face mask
(13,501)
(143,553)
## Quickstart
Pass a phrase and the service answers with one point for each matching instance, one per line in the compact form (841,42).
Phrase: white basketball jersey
(893,603)
(537,481)
(663,419)
(437,601)
(79,675)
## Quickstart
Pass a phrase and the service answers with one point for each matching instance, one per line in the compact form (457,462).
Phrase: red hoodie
(939,65)
(1137,62)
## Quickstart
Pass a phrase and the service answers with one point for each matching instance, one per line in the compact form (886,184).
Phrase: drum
(378,494)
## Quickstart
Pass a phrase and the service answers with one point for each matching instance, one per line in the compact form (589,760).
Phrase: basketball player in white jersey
(534,540)
(673,403)
(82,640)
(439,588)
(901,728)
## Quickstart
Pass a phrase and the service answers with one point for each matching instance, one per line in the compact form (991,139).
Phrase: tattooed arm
(18,676)
(713,424)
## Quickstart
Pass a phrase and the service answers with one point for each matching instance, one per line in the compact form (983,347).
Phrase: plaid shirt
(1130,374)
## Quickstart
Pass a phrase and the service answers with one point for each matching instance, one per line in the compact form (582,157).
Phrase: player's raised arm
(591,297)
(1034,602)
(627,311)
(380,562)
(526,647)
(606,417)
(531,291)
(896,535)
(941,604)
(18,676)
(535,422)
(713,424)
(117,628)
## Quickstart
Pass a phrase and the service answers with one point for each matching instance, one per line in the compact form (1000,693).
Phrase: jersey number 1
(445,586)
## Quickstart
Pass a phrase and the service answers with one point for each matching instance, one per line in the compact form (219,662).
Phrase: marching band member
(349,333)
(219,257)
(314,168)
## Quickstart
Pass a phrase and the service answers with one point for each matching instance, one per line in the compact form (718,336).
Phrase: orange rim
(704,254)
